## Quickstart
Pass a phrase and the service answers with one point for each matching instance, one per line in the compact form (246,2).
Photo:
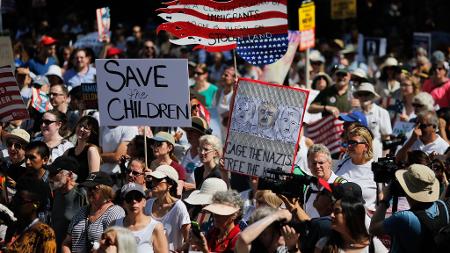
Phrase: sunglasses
(48,122)
(423,126)
(199,73)
(352,143)
(15,145)
(134,173)
(204,150)
(417,105)
(193,107)
(157,144)
(132,196)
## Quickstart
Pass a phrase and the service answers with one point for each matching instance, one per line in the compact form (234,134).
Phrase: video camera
(384,172)
(287,184)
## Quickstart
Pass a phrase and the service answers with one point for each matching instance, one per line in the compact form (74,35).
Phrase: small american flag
(326,131)
(217,26)
(11,102)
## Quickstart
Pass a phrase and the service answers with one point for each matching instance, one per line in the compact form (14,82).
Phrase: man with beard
(334,99)
(68,197)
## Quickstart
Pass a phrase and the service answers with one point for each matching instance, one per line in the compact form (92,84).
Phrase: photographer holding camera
(409,229)
(424,137)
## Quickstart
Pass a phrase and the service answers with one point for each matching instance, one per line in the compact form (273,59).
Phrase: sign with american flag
(103,23)
(326,131)
(11,102)
(220,26)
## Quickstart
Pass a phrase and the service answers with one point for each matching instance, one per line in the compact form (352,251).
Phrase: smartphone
(195,229)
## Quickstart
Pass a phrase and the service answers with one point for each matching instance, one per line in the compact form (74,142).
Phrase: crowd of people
(69,184)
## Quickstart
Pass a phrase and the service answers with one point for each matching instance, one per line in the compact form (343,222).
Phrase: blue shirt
(405,229)
(40,68)
(74,79)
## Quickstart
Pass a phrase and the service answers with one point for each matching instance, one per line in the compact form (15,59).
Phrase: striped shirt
(79,225)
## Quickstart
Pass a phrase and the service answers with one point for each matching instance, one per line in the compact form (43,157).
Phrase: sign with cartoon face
(265,127)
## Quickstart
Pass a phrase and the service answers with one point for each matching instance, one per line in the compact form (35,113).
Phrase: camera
(384,169)
(287,184)
(394,142)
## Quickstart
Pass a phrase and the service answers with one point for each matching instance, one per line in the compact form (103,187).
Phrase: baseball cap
(41,80)
(354,116)
(98,178)
(419,182)
(47,40)
(113,51)
(164,136)
(164,171)
(348,189)
(341,69)
(64,163)
(206,192)
(132,187)
(18,134)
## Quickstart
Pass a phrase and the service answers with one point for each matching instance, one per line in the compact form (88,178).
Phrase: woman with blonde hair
(117,239)
(210,151)
(403,107)
(357,166)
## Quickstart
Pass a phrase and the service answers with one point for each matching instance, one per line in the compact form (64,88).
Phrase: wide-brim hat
(389,62)
(164,171)
(419,182)
(316,56)
(366,87)
(360,73)
(221,209)
(18,134)
(199,124)
(349,49)
(206,192)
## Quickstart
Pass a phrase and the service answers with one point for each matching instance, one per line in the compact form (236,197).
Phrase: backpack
(436,230)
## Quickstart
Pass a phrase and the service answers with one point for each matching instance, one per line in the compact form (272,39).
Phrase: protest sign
(89,92)
(11,102)
(6,53)
(422,40)
(371,46)
(90,40)
(343,9)
(103,24)
(264,129)
(402,128)
(258,29)
(327,131)
(143,92)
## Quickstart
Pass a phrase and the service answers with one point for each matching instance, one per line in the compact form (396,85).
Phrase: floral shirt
(38,239)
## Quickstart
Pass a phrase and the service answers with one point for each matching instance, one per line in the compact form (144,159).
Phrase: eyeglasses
(423,126)
(198,73)
(417,105)
(134,173)
(352,143)
(132,196)
(204,150)
(48,122)
(15,145)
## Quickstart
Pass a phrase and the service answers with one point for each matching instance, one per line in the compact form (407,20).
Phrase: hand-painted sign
(257,28)
(143,92)
(103,24)
(264,129)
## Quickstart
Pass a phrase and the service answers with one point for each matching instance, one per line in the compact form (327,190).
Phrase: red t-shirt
(180,169)
(440,94)
(226,245)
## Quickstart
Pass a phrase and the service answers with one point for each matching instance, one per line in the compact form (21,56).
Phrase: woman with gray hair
(210,151)
(226,208)
(117,239)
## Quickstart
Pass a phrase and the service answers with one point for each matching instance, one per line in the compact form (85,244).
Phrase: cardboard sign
(371,46)
(103,24)
(6,53)
(307,39)
(343,9)
(11,102)
(143,92)
(264,129)
(89,92)
(307,17)
(258,29)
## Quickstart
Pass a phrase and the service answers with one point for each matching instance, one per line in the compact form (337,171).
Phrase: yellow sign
(343,9)
(307,16)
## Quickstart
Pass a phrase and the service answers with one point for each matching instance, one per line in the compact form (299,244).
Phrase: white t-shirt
(110,138)
(301,158)
(190,163)
(439,146)
(361,175)
(309,205)
(172,221)
(379,122)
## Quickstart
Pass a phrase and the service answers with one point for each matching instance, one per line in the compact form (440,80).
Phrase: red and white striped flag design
(326,131)
(11,102)
(216,26)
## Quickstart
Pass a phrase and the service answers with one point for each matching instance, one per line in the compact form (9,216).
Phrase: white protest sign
(143,92)
(264,128)
(402,128)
